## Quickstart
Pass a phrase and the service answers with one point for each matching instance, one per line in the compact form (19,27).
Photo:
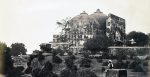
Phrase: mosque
(86,26)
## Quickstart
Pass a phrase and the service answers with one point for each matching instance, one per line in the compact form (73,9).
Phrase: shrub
(69,62)
(56,59)
(86,73)
(105,56)
(85,62)
(147,58)
(145,63)
(103,69)
(126,64)
(104,63)
(133,64)
(17,72)
(99,60)
(139,68)
(120,64)
(69,72)
(72,57)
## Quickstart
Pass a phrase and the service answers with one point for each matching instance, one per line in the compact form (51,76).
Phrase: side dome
(100,17)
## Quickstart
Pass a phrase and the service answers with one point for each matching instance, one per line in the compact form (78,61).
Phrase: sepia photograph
(74,38)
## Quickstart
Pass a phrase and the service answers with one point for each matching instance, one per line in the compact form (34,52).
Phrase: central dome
(100,18)
(82,20)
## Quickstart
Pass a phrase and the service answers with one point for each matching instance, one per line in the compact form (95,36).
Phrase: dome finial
(83,12)
(98,11)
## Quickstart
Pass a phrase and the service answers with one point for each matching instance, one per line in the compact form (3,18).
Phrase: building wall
(115,28)
(137,51)
(56,38)
(79,35)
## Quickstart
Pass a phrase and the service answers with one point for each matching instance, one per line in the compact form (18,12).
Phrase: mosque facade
(86,26)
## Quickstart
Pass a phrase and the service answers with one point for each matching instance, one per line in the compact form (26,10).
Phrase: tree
(5,58)
(18,49)
(8,62)
(58,50)
(63,24)
(3,46)
(70,70)
(85,62)
(55,58)
(45,47)
(98,43)
(65,27)
(2,50)
(140,39)
(149,39)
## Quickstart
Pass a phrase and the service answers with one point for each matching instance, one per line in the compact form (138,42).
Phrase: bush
(121,65)
(86,73)
(103,69)
(145,63)
(105,56)
(127,64)
(69,62)
(8,62)
(99,60)
(147,58)
(17,72)
(71,72)
(139,68)
(104,63)
(113,56)
(56,59)
(133,64)
(85,62)
(35,72)
(72,57)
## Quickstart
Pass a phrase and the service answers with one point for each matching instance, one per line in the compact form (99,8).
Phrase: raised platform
(128,47)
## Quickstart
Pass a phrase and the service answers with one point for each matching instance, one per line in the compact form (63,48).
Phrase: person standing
(110,64)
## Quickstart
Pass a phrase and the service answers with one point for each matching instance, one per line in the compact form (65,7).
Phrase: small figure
(110,64)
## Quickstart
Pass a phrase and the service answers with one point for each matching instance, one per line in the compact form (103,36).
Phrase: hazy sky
(34,21)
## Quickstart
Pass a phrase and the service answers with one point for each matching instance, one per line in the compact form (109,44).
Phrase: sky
(33,22)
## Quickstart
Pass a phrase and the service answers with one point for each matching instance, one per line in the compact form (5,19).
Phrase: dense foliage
(98,43)
(45,47)
(2,49)
(56,59)
(18,49)
(6,63)
(141,39)
(58,51)
(85,62)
